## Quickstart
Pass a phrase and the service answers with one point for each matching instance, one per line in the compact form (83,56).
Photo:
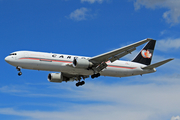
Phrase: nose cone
(10,60)
(7,59)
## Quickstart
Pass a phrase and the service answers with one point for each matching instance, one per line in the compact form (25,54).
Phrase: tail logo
(146,54)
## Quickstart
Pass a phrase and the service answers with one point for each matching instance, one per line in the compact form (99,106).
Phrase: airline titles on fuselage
(67,56)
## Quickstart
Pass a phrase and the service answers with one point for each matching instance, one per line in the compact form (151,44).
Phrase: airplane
(75,68)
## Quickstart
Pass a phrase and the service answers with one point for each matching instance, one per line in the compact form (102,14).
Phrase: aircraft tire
(77,85)
(20,73)
(95,75)
(80,83)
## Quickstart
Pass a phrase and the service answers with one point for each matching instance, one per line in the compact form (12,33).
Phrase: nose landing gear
(19,69)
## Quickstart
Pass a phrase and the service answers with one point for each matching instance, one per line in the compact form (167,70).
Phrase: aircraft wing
(118,53)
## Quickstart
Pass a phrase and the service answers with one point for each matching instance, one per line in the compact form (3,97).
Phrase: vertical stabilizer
(145,55)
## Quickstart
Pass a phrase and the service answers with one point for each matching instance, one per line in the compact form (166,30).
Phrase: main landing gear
(95,75)
(80,83)
(19,69)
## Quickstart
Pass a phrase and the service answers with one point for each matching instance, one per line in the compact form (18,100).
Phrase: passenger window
(69,57)
(61,56)
(54,55)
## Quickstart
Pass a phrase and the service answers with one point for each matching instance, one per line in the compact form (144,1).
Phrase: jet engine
(55,77)
(82,63)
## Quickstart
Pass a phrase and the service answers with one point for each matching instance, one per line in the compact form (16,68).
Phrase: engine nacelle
(55,77)
(82,63)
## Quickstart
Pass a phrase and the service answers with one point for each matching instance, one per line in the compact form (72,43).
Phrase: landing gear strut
(19,69)
(95,75)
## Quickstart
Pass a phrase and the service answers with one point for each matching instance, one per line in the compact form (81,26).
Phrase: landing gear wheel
(95,75)
(98,74)
(80,83)
(20,73)
(77,84)
(92,76)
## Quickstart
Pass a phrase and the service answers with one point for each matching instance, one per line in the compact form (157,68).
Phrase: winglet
(157,64)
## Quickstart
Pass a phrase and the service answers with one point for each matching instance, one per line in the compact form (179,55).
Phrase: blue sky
(89,28)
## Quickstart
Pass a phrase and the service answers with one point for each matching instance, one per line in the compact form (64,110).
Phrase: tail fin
(145,55)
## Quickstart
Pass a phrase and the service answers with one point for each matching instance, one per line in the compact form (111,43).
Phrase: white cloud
(92,1)
(82,112)
(175,118)
(110,101)
(13,89)
(171,16)
(80,14)
(163,32)
(168,44)
(164,80)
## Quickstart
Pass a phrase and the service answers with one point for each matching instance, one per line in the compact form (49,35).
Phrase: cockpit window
(13,54)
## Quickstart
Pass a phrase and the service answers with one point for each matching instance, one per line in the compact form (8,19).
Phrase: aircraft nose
(7,59)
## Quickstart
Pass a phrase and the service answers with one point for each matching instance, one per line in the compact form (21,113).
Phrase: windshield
(13,54)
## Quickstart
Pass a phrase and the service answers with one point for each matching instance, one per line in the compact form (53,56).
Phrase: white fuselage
(63,63)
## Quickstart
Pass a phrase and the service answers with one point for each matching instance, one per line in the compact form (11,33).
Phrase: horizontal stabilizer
(157,64)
